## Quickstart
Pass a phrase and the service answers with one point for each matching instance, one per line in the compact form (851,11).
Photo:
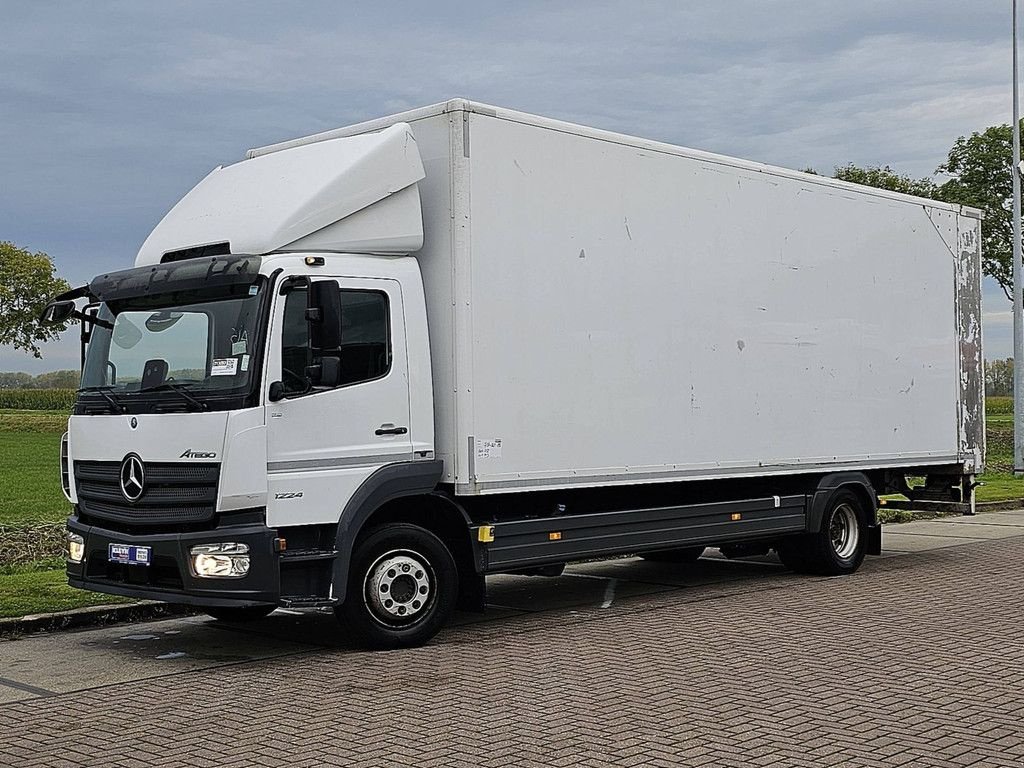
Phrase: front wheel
(837,548)
(402,587)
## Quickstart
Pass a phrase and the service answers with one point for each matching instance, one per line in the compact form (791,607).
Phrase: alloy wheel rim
(399,587)
(844,533)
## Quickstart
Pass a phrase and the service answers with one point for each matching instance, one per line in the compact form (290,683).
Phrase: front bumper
(169,577)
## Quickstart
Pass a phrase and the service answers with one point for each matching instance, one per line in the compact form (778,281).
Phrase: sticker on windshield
(224,366)
(245,363)
(238,348)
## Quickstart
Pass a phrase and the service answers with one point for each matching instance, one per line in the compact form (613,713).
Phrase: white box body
(607,310)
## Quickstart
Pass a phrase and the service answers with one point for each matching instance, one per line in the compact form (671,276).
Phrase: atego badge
(133,477)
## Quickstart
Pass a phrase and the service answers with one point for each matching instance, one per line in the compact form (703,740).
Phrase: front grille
(173,493)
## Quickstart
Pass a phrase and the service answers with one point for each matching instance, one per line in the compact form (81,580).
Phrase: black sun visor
(189,274)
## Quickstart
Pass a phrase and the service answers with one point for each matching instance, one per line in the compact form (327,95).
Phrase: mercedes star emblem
(133,477)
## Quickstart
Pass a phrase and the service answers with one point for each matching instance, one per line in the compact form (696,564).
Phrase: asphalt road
(915,660)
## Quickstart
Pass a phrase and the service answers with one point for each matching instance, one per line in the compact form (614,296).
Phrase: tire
(684,555)
(837,548)
(248,613)
(402,587)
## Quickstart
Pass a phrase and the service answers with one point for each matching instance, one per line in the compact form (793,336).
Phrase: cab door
(324,441)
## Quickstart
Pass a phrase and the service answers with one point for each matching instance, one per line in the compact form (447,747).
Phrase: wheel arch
(858,482)
(404,492)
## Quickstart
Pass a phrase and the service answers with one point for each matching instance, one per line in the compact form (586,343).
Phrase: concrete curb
(932,509)
(999,506)
(91,616)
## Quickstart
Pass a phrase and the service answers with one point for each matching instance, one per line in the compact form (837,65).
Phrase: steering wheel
(301,380)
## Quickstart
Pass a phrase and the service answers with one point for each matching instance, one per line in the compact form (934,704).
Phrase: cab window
(365,339)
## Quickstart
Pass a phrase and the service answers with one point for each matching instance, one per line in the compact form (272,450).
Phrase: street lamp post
(1018,288)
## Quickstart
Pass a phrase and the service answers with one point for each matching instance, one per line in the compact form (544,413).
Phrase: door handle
(390,429)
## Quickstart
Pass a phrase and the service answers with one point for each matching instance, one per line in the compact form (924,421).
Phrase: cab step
(297,601)
(307,555)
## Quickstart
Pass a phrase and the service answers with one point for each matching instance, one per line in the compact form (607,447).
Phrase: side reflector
(735,516)
(485,534)
(555,536)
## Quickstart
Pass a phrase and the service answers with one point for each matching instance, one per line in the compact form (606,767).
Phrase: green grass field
(29,467)
(43,588)
(999,482)
(30,493)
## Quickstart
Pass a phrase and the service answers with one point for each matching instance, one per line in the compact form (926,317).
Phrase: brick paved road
(917,660)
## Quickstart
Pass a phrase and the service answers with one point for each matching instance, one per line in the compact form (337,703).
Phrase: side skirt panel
(537,541)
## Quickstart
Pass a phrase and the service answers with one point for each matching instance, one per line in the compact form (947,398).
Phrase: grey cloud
(113,110)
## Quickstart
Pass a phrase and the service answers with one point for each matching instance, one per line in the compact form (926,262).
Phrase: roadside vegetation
(29,468)
(999,482)
(42,588)
(59,400)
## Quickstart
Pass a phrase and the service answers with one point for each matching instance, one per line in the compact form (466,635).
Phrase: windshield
(202,346)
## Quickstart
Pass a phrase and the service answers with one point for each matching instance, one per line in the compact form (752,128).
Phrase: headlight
(76,548)
(226,560)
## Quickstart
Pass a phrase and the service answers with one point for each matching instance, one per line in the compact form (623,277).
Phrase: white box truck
(366,368)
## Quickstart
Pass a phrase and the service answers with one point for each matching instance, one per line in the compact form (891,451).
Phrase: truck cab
(234,405)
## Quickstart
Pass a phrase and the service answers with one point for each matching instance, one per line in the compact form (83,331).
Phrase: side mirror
(275,392)
(323,314)
(58,312)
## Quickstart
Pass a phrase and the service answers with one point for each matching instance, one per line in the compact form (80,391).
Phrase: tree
(27,282)
(886,178)
(63,379)
(999,377)
(19,380)
(981,168)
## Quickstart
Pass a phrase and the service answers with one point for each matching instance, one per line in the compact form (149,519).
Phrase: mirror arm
(92,319)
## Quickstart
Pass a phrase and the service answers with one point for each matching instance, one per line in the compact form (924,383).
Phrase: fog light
(226,560)
(76,548)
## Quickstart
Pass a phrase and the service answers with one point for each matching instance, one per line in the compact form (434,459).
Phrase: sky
(114,110)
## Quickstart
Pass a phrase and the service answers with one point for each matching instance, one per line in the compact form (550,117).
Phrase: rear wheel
(684,555)
(837,548)
(247,613)
(402,588)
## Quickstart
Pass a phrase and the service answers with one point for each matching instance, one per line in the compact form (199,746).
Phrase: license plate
(129,554)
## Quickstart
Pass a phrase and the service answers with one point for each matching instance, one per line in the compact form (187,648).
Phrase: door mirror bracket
(323,313)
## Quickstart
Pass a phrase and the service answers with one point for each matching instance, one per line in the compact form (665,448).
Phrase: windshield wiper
(106,393)
(179,389)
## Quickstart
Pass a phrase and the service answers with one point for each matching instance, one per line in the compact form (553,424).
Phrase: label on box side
(488,448)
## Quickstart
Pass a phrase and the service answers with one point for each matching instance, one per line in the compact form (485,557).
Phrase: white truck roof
(468,107)
(347,194)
